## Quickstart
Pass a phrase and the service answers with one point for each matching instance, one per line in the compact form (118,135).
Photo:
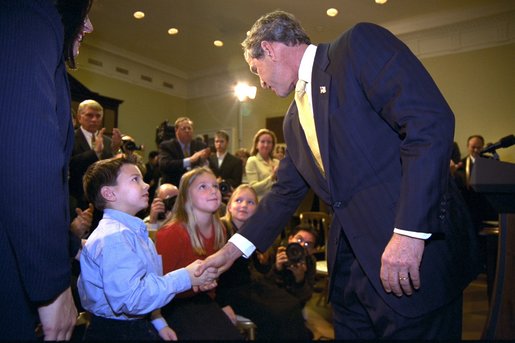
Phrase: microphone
(503,143)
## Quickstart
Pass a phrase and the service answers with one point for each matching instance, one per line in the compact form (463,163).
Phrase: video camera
(129,145)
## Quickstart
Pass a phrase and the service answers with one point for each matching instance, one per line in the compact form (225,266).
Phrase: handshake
(206,279)
(203,274)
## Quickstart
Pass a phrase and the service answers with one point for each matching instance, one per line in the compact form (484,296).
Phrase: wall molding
(425,36)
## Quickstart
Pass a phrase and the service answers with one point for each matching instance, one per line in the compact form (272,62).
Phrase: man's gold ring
(403,278)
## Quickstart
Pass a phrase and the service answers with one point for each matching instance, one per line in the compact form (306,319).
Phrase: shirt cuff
(186,163)
(243,244)
(414,234)
(159,323)
(180,279)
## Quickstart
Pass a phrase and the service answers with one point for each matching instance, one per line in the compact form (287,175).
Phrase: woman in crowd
(242,290)
(261,166)
(195,232)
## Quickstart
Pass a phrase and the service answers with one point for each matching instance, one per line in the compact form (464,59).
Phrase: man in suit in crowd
(480,208)
(225,165)
(400,241)
(180,154)
(90,146)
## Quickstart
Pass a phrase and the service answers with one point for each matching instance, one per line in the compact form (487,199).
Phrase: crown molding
(426,36)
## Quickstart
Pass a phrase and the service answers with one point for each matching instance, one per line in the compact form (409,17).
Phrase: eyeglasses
(306,244)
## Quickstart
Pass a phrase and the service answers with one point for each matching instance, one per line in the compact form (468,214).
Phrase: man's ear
(268,49)
(108,193)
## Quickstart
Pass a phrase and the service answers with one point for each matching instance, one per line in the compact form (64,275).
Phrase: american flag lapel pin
(323,90)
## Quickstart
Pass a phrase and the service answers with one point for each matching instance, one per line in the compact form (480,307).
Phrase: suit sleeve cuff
(414,234)
(243,244)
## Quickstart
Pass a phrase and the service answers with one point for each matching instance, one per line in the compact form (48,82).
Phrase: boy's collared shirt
(121,272)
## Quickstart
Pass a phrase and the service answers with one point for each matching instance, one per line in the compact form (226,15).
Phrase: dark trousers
(199,318)
(104,329)
(277,313)
(366,316)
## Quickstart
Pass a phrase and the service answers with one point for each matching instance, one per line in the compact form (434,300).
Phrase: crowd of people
(402,244)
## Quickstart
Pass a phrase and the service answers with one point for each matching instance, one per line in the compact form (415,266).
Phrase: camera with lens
(169,202)
(129,145)
(295,253)
(225,188)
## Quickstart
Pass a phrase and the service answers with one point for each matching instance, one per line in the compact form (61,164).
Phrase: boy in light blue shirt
(121,282)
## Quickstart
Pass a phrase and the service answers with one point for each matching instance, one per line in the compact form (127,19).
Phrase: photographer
(161,207)
(293,264)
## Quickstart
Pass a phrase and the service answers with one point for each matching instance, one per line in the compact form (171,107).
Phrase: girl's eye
(202,186)
(239,201)
(251,202)
(215,186)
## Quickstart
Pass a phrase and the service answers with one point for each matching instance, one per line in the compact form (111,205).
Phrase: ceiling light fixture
(332,12)
(173,31)
(139,15)
(218,43)
(381,2)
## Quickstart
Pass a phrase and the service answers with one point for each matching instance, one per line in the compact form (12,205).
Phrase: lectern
(496,180)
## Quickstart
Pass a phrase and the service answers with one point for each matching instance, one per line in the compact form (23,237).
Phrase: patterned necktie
(93,141)
(186,151)
(307,121)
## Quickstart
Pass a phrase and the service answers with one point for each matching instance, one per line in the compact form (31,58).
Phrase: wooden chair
(320,221)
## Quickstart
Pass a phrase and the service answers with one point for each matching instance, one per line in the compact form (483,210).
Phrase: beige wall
(479,86)
(142,109)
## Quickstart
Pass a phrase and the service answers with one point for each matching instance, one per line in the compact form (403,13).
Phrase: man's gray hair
(277,26)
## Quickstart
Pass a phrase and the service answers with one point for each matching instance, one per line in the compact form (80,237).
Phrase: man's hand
(204,153)
(58,317)
(222,259)
(81,225)
(400,264)
(158,206)
(116,140)
(280,258)
(299,271)
(99,142)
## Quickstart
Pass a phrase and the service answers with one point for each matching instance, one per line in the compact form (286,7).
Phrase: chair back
(320,221)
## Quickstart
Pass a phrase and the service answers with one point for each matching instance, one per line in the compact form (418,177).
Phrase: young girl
(194,232)
(276,313)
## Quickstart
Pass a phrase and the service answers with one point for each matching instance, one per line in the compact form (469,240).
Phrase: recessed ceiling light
(173,31)
(218,43)
(139,15)
(332,12)
(381,2)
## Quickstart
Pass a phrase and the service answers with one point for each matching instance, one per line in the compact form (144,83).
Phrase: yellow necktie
(307,121)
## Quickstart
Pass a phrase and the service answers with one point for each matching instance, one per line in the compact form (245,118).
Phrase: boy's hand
(206,279)
(167,334)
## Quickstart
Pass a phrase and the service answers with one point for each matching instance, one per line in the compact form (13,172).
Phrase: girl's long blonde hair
(183,213)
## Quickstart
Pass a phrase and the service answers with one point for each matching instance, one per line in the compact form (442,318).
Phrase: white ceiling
(200,22)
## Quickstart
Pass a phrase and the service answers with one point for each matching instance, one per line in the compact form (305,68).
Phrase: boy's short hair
(102,173)
(223,134)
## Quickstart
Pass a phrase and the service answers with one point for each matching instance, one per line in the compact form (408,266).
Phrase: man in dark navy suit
(225,165)
(371,134)
(180,154)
